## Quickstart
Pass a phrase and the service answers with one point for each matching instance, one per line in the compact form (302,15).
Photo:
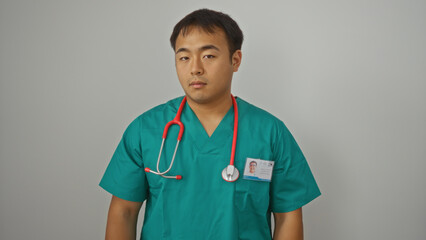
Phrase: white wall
(347,77)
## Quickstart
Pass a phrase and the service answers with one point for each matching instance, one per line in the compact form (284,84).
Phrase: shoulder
(171,105)
(158,114)
(256,116)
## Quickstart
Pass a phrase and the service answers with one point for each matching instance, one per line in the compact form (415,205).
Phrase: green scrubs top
(202,205)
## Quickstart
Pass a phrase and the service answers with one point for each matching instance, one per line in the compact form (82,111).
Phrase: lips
(197,84)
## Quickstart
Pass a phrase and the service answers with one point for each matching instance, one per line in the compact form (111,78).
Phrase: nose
(197,67)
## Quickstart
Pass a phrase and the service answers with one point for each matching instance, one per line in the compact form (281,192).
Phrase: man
(209,201)
(252,167)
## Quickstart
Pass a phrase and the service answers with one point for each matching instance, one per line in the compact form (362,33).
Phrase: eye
(208,56)
(183,58)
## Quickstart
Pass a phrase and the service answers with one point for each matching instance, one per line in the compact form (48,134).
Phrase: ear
(236,60)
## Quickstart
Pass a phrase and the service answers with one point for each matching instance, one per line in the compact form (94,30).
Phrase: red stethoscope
(229,174)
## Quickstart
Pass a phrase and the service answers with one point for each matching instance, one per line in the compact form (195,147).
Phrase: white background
(347,77)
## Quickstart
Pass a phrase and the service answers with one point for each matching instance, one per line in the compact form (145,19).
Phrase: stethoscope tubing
(229,174)
(177,121)
(159,156)
(234,139)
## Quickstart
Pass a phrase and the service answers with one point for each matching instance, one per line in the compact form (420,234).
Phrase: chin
(198,97)
(199,100)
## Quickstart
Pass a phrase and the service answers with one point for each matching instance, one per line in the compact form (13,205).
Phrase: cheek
(222,71)
(181,79)
(223,65)
(180,70)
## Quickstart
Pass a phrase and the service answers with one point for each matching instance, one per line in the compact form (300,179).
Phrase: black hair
(208,20)
(253,162)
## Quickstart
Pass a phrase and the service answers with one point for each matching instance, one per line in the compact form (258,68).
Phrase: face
(252,167)
(203,65)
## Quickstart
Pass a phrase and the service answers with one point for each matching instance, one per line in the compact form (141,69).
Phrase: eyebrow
(203,48)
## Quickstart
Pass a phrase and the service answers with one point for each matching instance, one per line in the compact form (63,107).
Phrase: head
(253,166)
(209,21)
(207,46)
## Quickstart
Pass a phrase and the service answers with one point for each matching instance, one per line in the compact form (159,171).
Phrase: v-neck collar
(201,139)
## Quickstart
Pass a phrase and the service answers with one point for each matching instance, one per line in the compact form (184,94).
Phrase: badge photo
(258,169)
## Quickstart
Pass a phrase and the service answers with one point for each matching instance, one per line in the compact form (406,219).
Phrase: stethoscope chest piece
(230,173)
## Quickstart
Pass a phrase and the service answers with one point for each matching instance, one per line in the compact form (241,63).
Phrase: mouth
(197,84)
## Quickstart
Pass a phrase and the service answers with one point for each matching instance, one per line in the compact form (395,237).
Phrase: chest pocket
(252,204)
(252,199)
(252,196)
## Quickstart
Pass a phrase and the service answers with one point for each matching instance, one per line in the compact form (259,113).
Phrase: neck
(217,108)
(211,114)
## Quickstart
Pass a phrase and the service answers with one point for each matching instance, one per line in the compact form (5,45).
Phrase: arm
(122,219)
(289,226)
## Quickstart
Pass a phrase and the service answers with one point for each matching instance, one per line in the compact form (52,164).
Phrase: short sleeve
(125,175)
(292,184)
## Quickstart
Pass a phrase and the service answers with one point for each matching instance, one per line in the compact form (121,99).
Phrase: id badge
(258,169)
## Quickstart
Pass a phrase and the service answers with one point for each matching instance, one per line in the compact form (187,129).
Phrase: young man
(194,191)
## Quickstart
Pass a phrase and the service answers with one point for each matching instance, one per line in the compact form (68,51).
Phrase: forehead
(196,37)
